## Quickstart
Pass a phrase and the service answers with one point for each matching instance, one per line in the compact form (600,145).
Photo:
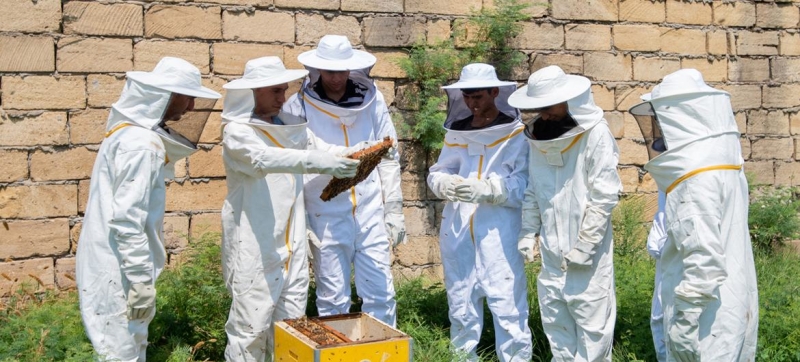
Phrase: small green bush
(630,232)
(773,218)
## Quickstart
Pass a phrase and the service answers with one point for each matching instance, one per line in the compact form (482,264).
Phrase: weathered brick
(654,68)
(94,55)
(38,201)
(606,66)
(741,121)
(27,54)
(648,184)
(433,273)
(696,13)
(44,92)
(683,41)
(205,223)
(603,97)
(386,87)
(616,123)
(585,10)
(632,153)
(465,32)
(419,250)
(30,16)
(103,89)
(83,195)
(437,30)
(387,64)
(211,133)
(94,18)
(216,84)
(629,177)
(74,236)
(748,70)
(65,274)
(311,27)
(45,129)
(645,38)
(774,15)
(642,10)
(250,26)
(386,6)
(773,149)
(393,31)
(420,220)
(717,42)
(413,157)
(27,238)
(290,56)
(794,123)
(767,122)
(785,69)
(588,37)
(176,232)
(171,21)
(787,174)
(72,164)
(571,64)
(782,96)
(790,44)
(743,96)
(207,163)
(442,7)
(539,36)
(414,186)
(734,13)
(230,58)
(309,4)
(714,70)
(33,274)
(750,43)
(180,169)
(14,164)
(745,147)
(195,196)
(87,126)
(627,96)
(147,53)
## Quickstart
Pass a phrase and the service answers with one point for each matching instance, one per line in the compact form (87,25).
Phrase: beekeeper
(121,249)
(655,243)
(573,186)
(708,290)
(359,227)
(482,173)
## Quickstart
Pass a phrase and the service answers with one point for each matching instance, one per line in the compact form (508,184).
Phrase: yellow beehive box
(364,339)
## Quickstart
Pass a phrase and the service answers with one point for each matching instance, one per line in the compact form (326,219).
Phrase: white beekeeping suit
(264,245)
(479,228)
(357,227)
(655,242)
(121,250)
(708,287)
(573,187)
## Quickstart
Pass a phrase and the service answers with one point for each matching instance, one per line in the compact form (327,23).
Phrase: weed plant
(773,218)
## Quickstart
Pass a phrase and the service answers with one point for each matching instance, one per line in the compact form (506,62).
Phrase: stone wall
(62,65)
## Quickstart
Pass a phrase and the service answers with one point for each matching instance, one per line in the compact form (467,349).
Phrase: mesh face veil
(191,125)
(651,130)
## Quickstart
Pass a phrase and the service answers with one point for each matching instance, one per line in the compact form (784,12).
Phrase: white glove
(141,300)
(580,255)
(490,191)
(684,341)
(395,222)
(447,186)
(329,164)
(527,246)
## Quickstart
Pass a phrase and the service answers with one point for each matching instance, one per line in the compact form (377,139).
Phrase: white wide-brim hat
(478,75)
(682,82)
(265,72)
(177,76)
(334,52)
(549,86)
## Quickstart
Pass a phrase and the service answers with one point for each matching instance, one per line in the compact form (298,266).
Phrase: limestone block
(588,37)
(260,25)
(717,42)
(443,7)
(616,123)
(745,147)
(196,196)
(34,274)
(767,122)
(308,4)
(629,177)
(632,152)
(103,90)
(147,53)
(370,6)
(311,27)
(27,54)
(420,220)
(230,58)
(571,64)
(176,232)
(94,55)
(290,56)
(743,96)
(74,237)
(93,18)
(437,30)
(207,163)
(748,70)
(647,11)
(683,41)
(418,250)
(787,174)
(45,129)
(72,164)
(645,38)
(764,172)
(774,15)
(627,96)
(785,69)
(211,133)
(794,124)
(30,16)
(38,201)
(393,31)
(414,186)
(28,238)
(14,164)
(715,70)
(772,149)
(782,96)
(607,66)
(387,65)
(653,69)
(430,273)
(603,97)
(741,121)
(65,274)
(648,184)
(734,13)
(83,194)
(412,157)
(44,92)
(386,87)
(205,223)
(540,36)
(751,43)
(586,10)
(695,13)
(175,21)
